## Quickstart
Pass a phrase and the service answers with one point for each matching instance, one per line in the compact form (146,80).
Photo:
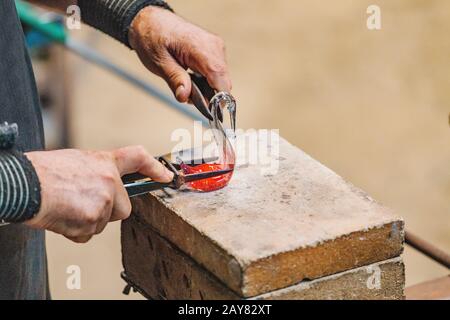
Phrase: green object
(53,30)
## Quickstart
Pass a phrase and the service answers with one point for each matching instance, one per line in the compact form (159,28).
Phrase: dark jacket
(23,266)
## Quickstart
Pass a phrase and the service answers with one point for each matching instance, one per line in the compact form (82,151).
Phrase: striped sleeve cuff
(20,192)
(114,17)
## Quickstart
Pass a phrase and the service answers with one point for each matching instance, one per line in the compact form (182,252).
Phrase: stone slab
(270,230)
(161,271)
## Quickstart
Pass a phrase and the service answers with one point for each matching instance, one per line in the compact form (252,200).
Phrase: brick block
(266,232)
(161,271)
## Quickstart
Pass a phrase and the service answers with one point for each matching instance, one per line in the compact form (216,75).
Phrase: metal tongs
(203,97)
(137,184)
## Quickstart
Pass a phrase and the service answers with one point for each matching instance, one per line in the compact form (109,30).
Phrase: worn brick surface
(162,271)
(270,231)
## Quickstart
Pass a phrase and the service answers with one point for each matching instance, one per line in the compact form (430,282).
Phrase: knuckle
(122,214)
(104,155)
(109,179)
(173,76)
(217,68)
(107,200)
(155,168)
(92,217)
(86,239)
(72,233)
(78,235)
(141,151)
(220,42)
(142,155)
(119,154)
(217,41)
(127,210)
(81,240)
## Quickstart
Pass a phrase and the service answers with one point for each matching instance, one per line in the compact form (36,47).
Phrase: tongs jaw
(203,96)
(137,184)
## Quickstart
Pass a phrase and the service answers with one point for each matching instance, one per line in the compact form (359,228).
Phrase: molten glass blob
(224,151)
(211,184)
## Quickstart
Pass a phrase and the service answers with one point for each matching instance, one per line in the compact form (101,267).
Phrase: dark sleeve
(20,191)
(114,17)
(20,194)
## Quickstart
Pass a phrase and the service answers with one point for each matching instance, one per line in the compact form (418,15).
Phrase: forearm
(114,17)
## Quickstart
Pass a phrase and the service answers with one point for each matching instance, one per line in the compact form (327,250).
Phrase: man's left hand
(168,45)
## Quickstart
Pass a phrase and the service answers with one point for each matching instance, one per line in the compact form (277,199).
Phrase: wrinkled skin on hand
(168,45)
(82,191)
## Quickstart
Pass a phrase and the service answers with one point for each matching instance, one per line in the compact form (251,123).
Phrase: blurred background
(371,105)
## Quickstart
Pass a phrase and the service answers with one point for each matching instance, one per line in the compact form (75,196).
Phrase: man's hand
(168,45)
(82,191)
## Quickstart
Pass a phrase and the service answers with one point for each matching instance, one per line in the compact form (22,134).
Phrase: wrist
(109,16)
(145,20)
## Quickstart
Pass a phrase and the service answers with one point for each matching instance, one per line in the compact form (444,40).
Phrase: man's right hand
(81,191)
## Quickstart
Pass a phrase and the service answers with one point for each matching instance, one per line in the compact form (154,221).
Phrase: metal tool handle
(202,84)
(201,94)
(140,188)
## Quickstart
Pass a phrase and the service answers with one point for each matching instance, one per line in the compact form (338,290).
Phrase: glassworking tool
(211,104)
(137,184)
(204,98)
(201,95)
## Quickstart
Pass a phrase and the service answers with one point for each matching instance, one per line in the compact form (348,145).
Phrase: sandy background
(371,105)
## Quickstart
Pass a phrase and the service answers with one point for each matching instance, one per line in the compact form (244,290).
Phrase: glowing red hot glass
(226,154)
(211,184)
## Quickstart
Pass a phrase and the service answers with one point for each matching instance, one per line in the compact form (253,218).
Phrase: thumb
(177,78)
(136,159)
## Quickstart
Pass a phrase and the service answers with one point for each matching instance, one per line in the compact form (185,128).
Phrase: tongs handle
(136,186)
(201,94)
(140,188)
(202,83)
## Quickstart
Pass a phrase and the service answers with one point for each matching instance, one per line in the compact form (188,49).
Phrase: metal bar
(428,249)
(140,188)
(135,189)
(96,58)
(206,175)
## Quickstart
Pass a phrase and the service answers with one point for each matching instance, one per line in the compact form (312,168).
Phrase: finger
(217,76)
(219,80)
(81,239)
(177,78)
(122,205)
(108,211)
(77,229)
(101,226)
(214,68)
(138,160)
